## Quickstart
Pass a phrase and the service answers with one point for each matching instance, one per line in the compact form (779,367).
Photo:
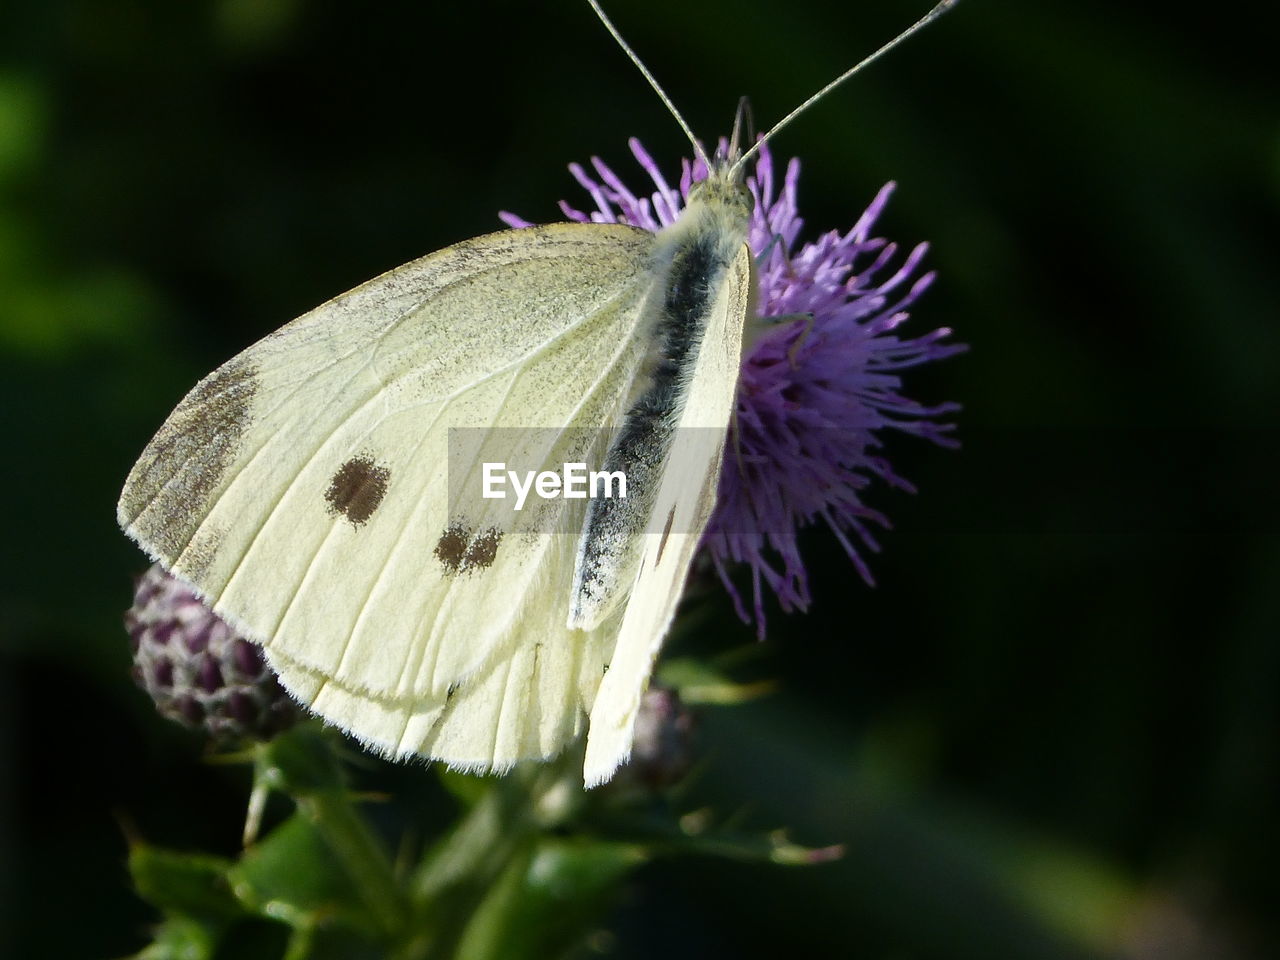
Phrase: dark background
(1051,730)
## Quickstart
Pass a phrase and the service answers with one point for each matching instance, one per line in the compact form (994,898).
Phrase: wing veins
(292,484)
(623,344)
(403,316)
(280,499)
(297,385)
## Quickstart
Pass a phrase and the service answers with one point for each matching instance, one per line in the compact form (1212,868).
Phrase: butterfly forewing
(302,488)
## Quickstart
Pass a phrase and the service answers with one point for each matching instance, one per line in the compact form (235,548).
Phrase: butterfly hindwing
(526,702)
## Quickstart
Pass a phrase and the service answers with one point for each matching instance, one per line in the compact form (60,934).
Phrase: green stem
(455,878)
(360,853)
(303,764)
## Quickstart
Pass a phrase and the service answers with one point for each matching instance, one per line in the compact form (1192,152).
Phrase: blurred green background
(1050,732)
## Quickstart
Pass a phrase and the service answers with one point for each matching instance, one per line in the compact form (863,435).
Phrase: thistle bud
(663,751)
(197,669)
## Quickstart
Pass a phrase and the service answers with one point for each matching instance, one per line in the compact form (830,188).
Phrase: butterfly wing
(302,489)
(686,497)
(527,702)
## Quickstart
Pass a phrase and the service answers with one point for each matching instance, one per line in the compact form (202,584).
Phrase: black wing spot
(357,489)
(483,550)
(461,550)
(666,533)
(451,548)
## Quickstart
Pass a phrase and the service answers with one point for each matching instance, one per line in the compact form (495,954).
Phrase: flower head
(819,387)
(663,751)
(197,669)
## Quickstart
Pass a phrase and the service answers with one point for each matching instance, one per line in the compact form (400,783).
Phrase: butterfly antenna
(662,94)
(938,10)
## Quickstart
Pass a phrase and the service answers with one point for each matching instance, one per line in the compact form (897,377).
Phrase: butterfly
(307,487)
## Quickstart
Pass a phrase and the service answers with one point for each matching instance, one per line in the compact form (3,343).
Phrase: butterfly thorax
(717,212)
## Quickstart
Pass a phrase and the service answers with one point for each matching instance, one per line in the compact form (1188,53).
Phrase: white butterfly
(302,486)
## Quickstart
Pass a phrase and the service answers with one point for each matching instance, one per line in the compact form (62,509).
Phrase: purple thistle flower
(814,396)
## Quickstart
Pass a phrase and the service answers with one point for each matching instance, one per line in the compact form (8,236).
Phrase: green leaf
(189,885)
(698,682)
(547,903)
(293,876)
(180,938)
(302,762)
(700,833)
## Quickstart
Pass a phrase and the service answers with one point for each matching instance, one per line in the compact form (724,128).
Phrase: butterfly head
(724,189)
(718,206)
(725,185)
